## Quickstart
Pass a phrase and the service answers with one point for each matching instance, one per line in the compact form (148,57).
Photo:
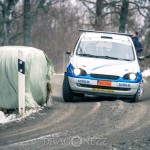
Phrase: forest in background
(52,25)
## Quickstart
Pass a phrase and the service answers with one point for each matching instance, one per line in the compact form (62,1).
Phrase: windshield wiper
(87,55)
(108,57)
(125,59)
(105,57)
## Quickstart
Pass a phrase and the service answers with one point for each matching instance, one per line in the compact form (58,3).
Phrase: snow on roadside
(6,118)
(146,80)
(146,73)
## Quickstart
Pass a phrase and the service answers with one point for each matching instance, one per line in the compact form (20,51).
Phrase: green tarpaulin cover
(38,69)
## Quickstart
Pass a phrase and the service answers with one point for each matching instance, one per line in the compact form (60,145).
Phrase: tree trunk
(99,12)
(5,21)
(123,15)
(27,23)
(7,17)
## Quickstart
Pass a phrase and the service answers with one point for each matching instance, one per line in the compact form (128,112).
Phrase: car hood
(105,66)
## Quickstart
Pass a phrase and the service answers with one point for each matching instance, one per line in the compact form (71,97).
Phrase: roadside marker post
(21,82)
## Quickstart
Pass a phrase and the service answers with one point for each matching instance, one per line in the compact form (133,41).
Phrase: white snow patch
(146,73)
(146,79)
(2,117)
(6,118)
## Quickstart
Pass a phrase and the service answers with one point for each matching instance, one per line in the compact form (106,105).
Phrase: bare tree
(104,10)
(27,22)
(7,15)
(58,30)
(123,15)
(99,15)
(11,12)
(31,15)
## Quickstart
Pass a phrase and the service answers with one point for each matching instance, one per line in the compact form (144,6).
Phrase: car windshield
(105,49)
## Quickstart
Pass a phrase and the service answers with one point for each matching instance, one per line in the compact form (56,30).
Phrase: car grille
(104,76)
(104,87)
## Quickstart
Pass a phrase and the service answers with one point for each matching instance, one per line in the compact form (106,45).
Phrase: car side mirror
(141,58)
(68,53)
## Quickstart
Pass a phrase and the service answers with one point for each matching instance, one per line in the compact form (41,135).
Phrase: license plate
(103,90)
(104,83)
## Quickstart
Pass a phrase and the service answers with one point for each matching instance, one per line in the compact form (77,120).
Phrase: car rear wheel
(67,92)
(139,94)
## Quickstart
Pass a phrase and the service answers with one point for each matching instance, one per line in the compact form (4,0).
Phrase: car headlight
(79,72)
(130,76)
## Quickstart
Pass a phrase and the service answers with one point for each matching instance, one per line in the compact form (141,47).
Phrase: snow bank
(6,118)
(146,79)
(146,73)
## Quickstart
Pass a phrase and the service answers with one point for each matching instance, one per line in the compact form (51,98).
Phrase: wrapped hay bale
(38,70)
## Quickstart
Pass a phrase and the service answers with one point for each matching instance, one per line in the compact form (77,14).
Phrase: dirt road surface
(84,124)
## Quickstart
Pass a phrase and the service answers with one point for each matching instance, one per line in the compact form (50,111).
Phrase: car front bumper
(89,86)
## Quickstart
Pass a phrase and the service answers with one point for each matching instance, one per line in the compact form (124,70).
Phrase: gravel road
(84,124)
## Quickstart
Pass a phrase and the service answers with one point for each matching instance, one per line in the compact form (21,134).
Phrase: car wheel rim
(140,90)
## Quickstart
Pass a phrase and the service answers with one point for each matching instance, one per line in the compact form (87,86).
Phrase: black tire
(139,94)
(81,95)
(67,92)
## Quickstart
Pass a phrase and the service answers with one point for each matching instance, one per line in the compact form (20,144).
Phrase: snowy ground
(14,116)
(6,118)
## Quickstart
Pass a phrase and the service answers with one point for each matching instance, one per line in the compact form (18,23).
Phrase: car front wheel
(139,94)
(67,92)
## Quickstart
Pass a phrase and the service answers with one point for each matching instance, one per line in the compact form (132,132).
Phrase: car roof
(105,35)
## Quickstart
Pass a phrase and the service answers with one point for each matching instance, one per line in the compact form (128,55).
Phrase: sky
(73,2)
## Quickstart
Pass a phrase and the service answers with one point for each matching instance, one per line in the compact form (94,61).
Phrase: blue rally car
(103,64)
